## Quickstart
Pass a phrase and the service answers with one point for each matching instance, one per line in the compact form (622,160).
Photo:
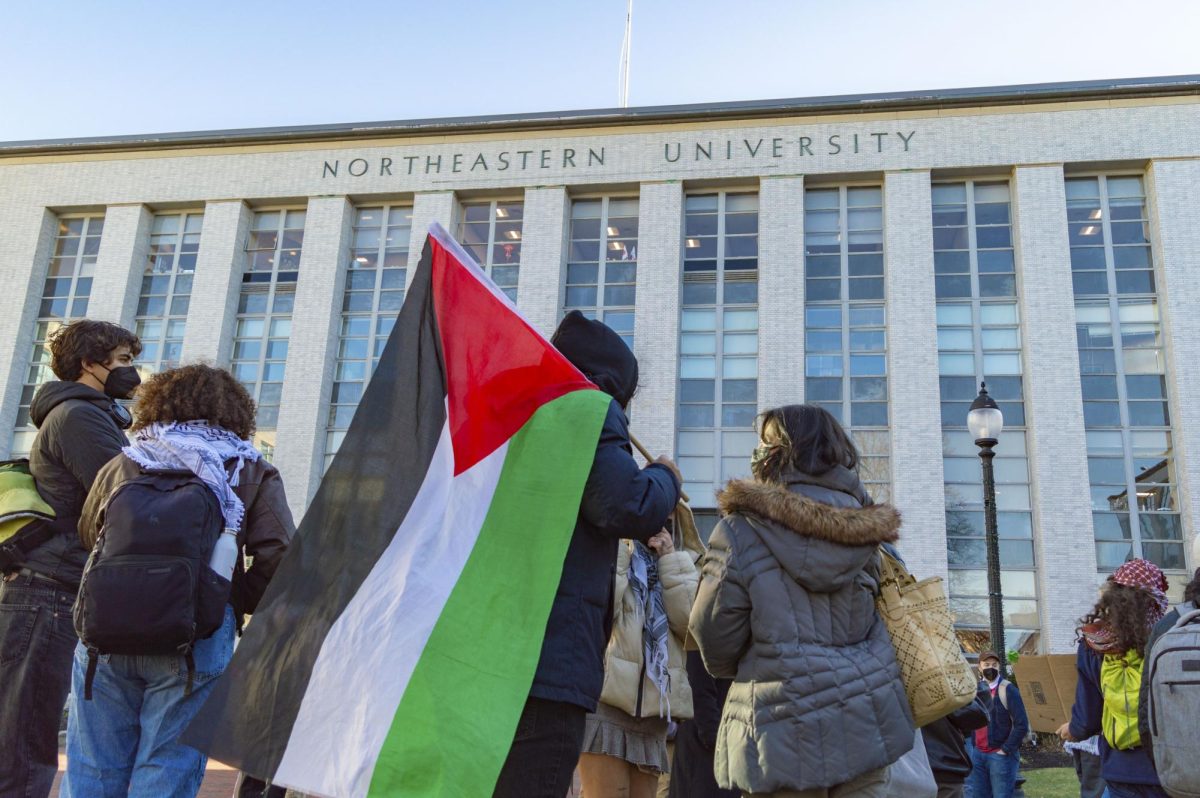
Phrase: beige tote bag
(936,676)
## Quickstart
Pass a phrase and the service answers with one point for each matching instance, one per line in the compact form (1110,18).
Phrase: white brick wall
(913,388)
(120,264)
(960,138)
(656,316)
(780,292)
(429,207)
(543,253)
(312,348)
(26,243)
(1062,516)
(220,264)
(1173,191)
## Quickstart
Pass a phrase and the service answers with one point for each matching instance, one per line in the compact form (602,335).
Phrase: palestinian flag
(396,645)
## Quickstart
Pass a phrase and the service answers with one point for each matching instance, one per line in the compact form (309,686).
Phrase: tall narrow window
(979,338)
(491,232)
(374,294)
(602,264)
(167,289)
(264,320)
(1131,462)
(844,321)
(64,298)
(718,364)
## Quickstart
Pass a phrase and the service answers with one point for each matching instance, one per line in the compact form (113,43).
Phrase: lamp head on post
(984,420)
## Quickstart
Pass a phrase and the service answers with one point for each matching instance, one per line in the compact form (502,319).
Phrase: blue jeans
(36,640)
(123,741)
(992,775)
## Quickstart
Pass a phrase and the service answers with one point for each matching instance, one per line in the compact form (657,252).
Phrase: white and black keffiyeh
(647,587)
(201,448)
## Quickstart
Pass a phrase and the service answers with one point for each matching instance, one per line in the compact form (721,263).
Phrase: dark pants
(250,787)
(544,752)
(1087,768)
(37,641)
(1120,789)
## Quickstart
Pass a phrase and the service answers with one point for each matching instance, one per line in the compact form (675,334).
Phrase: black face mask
(990,674)
(121,382)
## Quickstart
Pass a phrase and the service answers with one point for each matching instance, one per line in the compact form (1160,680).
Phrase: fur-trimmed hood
(822,536)
(846,525)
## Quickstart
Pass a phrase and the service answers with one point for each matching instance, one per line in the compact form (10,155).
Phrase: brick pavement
(220,780)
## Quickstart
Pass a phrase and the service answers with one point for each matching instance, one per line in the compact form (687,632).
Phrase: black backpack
(147,588)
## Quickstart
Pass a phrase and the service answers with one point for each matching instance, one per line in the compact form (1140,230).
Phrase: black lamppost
(985,421)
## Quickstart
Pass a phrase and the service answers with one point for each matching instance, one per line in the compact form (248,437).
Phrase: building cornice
(891,102)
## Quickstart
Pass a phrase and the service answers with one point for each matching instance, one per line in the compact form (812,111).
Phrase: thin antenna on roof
(626,47)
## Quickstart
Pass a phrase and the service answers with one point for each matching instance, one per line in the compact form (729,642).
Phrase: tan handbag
(936,676)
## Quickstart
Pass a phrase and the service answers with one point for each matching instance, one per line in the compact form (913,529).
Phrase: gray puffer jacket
(786,608)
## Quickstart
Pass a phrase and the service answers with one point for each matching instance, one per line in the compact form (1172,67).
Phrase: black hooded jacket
(946,739)
(77,434)
(620,500)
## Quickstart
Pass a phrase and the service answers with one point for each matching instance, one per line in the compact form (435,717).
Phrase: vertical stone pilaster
(1063,542)
(656,314)
(120,264)
(1171,189)
(220,264)
(26,244)
(780,292)
(543,253)
(913,387)
(312,348)
(429,207)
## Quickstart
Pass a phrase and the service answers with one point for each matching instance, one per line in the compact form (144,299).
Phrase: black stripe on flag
(359,506)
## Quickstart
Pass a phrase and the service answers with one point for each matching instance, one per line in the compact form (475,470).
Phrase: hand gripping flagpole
(683,497)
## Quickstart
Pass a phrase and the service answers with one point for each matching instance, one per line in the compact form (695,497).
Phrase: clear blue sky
(71,68)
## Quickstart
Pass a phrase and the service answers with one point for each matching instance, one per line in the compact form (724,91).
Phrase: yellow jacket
(623,667)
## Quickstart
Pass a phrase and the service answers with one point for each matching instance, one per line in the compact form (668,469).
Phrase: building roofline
(1026,94)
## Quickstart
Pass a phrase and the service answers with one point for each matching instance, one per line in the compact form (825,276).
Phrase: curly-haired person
(80,428)
(1113,640)
(125,741)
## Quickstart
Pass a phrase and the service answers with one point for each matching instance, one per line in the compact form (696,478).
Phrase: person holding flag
(437,629)
(620,500)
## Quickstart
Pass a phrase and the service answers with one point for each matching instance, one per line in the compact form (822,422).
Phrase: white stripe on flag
(371,650)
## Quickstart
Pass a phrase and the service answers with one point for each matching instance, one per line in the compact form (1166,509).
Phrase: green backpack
(24,515)
(1121,687)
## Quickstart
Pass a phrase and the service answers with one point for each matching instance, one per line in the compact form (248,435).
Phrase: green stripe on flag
(457,718)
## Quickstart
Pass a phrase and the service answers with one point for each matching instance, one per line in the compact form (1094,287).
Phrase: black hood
(597,351)
(53,394)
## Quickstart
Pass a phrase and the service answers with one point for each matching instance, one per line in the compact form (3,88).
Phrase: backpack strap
(1002,693)
(190,658)
(15,550)
(93,661)
(1188,613)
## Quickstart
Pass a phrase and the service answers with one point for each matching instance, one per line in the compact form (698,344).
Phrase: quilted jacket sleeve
(720,620)
(679,580)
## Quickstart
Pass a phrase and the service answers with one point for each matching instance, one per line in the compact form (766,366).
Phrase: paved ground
(220,781)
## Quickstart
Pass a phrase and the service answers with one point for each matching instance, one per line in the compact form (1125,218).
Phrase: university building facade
(877,255)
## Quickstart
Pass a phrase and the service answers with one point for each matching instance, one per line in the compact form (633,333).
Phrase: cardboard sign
(1047,686)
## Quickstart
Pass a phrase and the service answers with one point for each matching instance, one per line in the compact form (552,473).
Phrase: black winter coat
(945,739)
(77,434)
(692,767)
(620,500)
